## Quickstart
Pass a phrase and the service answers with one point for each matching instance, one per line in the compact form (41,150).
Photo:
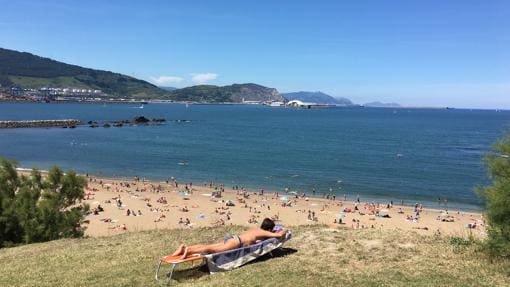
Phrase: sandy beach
(120,205)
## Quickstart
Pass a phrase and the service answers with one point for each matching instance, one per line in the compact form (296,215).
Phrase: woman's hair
(267,224)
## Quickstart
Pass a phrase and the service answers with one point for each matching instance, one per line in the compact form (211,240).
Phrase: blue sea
(415,155)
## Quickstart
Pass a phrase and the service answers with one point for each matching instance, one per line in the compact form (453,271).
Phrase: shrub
(34,208)
(497,198)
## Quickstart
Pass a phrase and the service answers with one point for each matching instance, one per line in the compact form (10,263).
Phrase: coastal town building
(52,94)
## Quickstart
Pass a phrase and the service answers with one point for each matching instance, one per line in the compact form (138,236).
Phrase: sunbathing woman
(247,238)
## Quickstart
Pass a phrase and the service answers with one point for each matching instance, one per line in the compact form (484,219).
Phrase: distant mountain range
(318,98)
(28,71)
(382,105)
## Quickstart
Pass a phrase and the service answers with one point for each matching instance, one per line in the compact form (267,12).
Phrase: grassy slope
(322,257)
(30,71)
(35,82)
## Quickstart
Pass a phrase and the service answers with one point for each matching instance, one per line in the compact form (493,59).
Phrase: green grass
(36,82)
(316,256)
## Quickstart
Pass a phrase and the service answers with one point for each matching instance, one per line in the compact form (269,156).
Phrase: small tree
(10,230)
(497,197)
(35,208)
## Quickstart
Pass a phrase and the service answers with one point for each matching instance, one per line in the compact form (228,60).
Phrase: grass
(316,256)
(35,82)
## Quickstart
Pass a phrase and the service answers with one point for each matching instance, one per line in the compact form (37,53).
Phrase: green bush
(497,198)
(37,209)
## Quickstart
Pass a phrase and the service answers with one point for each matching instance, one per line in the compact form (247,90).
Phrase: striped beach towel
(231,259)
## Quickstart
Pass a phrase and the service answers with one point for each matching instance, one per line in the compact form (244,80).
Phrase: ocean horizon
(378,154)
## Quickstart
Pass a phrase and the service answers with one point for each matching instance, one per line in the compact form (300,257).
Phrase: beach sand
(161,206)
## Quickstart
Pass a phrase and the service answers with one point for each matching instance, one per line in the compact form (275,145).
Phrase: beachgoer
(246,238)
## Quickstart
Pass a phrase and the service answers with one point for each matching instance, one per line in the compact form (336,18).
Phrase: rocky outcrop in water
(72,123)
(68,123)
(138,120)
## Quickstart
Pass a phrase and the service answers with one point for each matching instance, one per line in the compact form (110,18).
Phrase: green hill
(316,256)
(26,70)
(234,93)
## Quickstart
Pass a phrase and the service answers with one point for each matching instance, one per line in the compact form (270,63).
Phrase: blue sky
(417,53)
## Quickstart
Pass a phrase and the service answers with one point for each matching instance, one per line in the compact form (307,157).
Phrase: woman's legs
(211,248)
(179,250)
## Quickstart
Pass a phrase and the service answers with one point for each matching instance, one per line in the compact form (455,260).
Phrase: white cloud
(203,78)
(166,80)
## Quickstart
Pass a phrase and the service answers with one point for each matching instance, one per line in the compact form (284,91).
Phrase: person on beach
(246,238)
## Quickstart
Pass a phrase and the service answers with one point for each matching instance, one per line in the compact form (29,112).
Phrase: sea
(430,156)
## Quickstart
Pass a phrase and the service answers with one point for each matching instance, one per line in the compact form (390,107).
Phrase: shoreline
(156,101)
(408,202)
(147,205)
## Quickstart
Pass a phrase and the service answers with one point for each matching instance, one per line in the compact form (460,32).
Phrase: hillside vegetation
(233,93)
(316,256)
(26,70)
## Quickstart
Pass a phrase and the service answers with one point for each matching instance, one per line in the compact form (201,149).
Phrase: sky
(432,53)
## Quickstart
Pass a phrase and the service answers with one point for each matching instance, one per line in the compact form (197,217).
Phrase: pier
(70,123)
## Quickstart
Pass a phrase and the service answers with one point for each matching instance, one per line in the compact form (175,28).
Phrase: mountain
(168,88)
(234,93)
(318,98)
(25,70)
(382,105)
(28,71)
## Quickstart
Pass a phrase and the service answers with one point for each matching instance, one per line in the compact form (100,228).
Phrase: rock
(140,120)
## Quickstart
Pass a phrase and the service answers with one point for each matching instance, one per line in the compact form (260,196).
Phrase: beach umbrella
(284,198)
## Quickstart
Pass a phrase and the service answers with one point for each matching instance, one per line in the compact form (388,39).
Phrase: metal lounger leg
(157,272)
(168,275)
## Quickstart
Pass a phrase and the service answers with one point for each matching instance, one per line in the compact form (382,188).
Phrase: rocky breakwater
(67,123)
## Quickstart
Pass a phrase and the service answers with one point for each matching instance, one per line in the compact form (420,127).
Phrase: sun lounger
(223,261)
